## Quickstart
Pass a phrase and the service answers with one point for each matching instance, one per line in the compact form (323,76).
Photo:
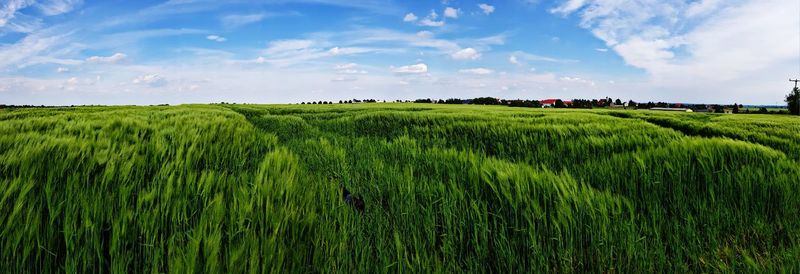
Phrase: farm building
(549,103)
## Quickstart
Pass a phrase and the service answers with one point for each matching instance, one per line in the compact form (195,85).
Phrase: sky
(76,52)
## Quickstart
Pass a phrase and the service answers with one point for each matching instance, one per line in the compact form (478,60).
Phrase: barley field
(445,188)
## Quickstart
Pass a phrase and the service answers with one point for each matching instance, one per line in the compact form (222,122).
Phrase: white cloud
(477,71)
(577,80)
(569,6)
(115,58)
(513,59)
(702,7)
(349,68)
(62,69)
(150,80)
(238,20)
(539,58)
(411,69)
(72,81)
(344,79)
(348,50)
(17,15)
(216,38)
(425,34)
(486,8)
(466,54)
(430,20)
(433,15)
(346,66)
(410,17)
(281,47)
(431,23)
(689,50)
(56,7)
(451,12)
(601,49)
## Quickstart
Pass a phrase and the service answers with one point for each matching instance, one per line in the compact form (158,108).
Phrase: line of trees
(353,101)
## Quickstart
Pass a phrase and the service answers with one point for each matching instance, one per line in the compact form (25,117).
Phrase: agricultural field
(445,188)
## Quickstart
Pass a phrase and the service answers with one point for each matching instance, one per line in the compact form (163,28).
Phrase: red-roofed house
(547,103)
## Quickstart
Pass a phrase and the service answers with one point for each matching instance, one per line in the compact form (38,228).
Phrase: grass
(256,188)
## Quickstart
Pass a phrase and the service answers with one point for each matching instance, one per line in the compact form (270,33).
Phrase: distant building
(548,103)
(673,109)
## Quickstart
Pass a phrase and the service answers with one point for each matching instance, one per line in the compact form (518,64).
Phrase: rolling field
(458,189)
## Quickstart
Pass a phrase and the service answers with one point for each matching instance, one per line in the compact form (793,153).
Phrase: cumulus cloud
(477,71)
(410,17)
(349,68)
(466,54)
(513,59)
(411,69)
(486,8)
(430,20)
(425,34)
(150,80)
(62,69)
(451,12)
(113,59)
(216,38)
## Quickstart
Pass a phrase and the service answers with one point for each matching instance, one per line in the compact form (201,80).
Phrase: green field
(459,189)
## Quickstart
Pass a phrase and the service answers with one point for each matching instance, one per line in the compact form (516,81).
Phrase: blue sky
(61,52)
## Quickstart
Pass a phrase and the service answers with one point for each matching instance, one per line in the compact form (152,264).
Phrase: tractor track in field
(702,131)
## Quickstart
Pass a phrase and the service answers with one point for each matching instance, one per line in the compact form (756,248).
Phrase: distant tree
(719,109)
(340,101)
(618,102)
(423,101)
(524,103)
(763,110)
(303,103)
(581,103)
(735,108)
(560,104)
(793,101)
(454,101)
(485,101)
(632,104)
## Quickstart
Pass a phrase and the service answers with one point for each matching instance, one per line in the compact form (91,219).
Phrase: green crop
(447,188)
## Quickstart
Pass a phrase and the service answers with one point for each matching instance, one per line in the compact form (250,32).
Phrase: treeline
(602,103)
(4,106)
(353,101)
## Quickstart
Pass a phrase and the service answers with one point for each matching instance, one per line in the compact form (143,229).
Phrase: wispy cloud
(466,54)
(56,7)
(216,38)
(411,69)
(520,55)
(113,59)
(477,71)
(486,8)
(237,20)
